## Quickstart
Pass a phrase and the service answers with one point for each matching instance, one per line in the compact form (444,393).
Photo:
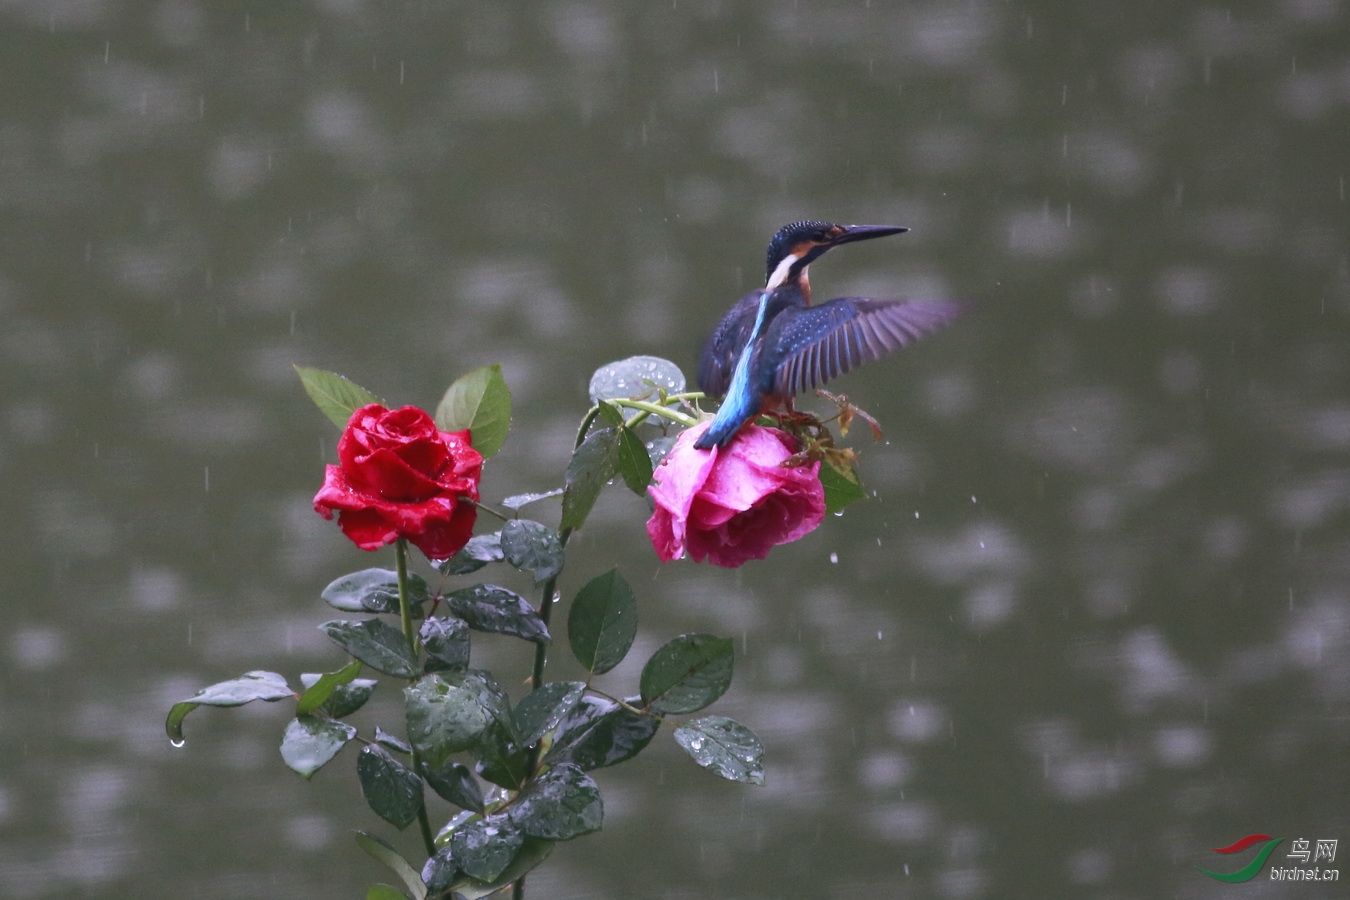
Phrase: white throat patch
(780,274)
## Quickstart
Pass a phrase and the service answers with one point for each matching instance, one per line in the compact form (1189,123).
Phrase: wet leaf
(687,674)
(310,742)
(443,718)
(348,698)
(599,733)
(635,377)
(375,643)
(393,790)
(534,547)
(478,552)
(336,397)
(516,501)
(723,746)
(659,448)
(633,462)
(630,457)
(487,607)
(388,857)
(483,848)
(373,591)
(250,686)
(454,782)
(317,693)
(602,622)
(539,712)
(532,853)
(500,761)
(840,489)
(589,470)
(439,871)
(446,641)
(391,742)
(561,804)
(481,402)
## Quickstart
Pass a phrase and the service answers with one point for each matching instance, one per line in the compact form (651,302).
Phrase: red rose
(401,477)
(733,504)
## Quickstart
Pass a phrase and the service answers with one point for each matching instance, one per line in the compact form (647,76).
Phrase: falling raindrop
(177,744)
(834,559)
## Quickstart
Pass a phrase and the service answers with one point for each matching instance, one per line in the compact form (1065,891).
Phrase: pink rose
(733,504)
(400,476)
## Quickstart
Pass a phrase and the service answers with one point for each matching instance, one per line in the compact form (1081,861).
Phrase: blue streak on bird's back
(739,404)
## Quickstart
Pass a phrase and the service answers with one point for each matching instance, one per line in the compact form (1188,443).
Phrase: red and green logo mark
(1247,872)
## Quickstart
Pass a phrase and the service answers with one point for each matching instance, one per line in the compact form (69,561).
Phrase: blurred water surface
(1095,622)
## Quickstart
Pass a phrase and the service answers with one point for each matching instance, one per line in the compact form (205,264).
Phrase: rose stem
(537,679)
(405,613)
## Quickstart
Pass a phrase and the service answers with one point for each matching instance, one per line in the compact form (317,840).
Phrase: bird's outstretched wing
(724,345)
(816,343)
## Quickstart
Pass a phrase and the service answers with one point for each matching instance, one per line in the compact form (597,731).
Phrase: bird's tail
(735,411)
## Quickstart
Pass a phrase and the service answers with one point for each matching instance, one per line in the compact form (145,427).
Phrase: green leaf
(599,733)
(635,377)
(630,457)
(310,742)
(478,552)
(250,686)
(393,790)
(317,693)
(533,547)
(487,607)
(375,643)
(499,759)
(336,397)
(633,462)
(602,622)
(481,402)
(483,848)
(388,857)
(561,804)
(589,470)
(446,640)
(372,590)
(384,892)
(687,674)
(532,853)
(439,871)
(391,742)
(516,501)
(840,489)
(454,782)
(539,712)
(723,746)
(443,718)
(348,698)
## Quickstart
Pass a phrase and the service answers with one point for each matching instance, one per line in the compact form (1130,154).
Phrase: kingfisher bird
(774,344)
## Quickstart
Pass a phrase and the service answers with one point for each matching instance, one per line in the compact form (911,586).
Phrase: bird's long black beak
(866,232)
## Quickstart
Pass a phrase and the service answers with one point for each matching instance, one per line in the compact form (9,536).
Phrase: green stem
(547,594)
(649,409)
(405,614)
